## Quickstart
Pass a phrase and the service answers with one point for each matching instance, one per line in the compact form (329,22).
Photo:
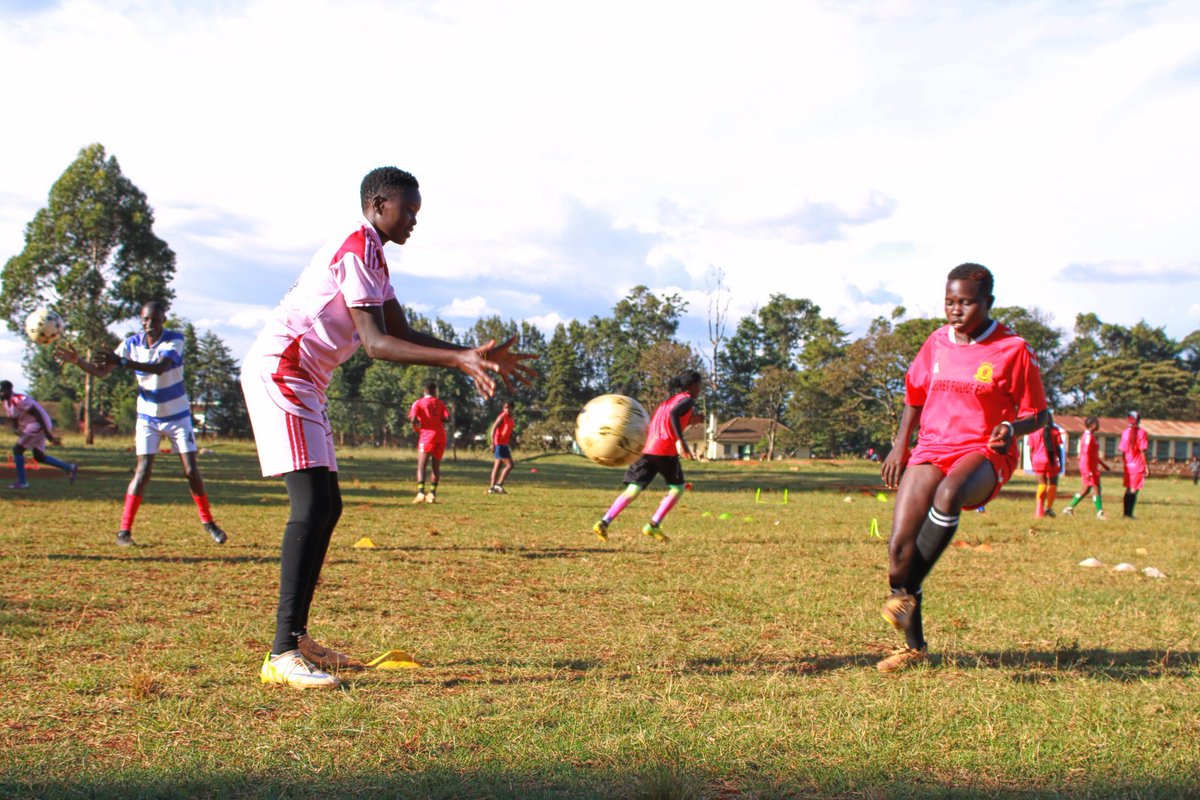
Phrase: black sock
(1132,502)
(914,635)
(936,532)
(304,543)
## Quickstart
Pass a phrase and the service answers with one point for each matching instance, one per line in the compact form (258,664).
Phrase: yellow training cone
(365,542)
(881,497)
(874,528)
(394,659)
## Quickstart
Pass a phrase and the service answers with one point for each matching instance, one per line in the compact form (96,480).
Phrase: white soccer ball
(43,326)
(611,429)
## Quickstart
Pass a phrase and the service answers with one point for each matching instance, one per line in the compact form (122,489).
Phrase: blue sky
(847,152)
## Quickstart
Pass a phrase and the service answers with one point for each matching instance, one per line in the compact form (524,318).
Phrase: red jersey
(429,413)
(502,431)
(1089,455)
(1134,443)
(661,436)
(1039,459)
(966,390)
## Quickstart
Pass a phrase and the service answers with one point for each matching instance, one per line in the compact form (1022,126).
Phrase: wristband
(1012,431)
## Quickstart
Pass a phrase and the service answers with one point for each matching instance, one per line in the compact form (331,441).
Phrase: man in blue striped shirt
(164,411)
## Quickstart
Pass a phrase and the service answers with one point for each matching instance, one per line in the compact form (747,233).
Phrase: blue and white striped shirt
(161,398)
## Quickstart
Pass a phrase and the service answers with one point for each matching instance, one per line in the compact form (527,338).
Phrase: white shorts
(150,432)
(291,426)
(32,437)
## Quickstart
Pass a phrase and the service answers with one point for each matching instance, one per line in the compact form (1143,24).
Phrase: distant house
(1172,442)
(741,438)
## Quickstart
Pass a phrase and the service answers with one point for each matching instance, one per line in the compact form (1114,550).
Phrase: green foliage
(218,391)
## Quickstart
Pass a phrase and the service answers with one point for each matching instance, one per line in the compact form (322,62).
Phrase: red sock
(202,507)
(132,502)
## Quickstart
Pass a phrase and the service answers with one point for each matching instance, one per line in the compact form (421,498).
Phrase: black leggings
(316,505)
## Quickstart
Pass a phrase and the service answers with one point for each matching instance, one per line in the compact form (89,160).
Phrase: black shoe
(216,533)
(124,539)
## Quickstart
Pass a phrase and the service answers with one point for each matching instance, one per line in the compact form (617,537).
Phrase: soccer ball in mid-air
(611,429)
(43,326)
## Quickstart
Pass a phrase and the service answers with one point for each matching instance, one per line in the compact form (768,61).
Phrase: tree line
(92,254)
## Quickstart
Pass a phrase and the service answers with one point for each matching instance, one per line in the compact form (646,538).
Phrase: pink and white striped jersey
(311,332)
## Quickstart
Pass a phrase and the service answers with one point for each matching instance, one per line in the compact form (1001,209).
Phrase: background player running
(33,428)
(428,416)
(1134,443)
(973,387)
(661,455)
(163,410)
(1090,465)
(342,299)
(1044,448)
(502,430)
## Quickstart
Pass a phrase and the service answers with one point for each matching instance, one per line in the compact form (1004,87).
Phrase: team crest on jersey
(983,373)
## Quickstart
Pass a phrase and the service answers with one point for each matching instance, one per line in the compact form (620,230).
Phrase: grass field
(735,661)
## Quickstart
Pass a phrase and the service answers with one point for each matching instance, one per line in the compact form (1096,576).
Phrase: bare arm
(67,354)
(112,361)
(897,459)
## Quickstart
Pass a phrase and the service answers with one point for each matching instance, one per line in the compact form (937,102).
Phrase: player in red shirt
(1090,465)
(973,388)
(502,430)
(1044,447)
(428,416)
(1134,444)
(664,447)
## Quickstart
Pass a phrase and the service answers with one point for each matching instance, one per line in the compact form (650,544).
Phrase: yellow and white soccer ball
(43,326)
(611,429)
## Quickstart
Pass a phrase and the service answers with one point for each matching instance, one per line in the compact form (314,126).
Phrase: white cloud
(470,308)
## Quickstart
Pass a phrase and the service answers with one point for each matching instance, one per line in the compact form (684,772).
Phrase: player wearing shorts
(342,299)
(502,430)
(973,388)
(1044,448)
(661,455)
(1090,465)
(428,416)
(33,428)
(1134,443)
(163,411)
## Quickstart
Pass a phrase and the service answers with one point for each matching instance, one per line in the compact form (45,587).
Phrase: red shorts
(1089,478)
(432,442)
(1002,464)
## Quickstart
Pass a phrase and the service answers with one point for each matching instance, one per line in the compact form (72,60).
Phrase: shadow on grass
(131,555)
(648,774)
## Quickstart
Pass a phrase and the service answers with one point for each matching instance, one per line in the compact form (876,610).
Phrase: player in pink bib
(428,416)
(1134,443)
(665,446)
(34,429)
(973,388)
(1090,465)
(1044,448)
(342,300)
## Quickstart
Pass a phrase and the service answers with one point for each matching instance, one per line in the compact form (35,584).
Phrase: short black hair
(5,387)
(156,307)
(973,272)
(431,387)
(385,182)
(1090,421)
(685,379)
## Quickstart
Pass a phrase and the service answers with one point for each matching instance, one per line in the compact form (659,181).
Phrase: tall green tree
(218,391)
(91,253)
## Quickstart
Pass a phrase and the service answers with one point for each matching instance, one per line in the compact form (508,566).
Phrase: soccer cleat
(73,473)
(292,669)
(124,539)
(431,498)
(420,498)
(215,532)
(903,658)
(492,490)
(1100,514)
(500,489)
(1050,512)
(19,485)
(321,656)
(601,530)
(898,609)
(655,531)
(1068,511)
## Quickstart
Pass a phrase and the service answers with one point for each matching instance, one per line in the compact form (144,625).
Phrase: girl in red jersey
(973,387)
(1090,465)
(1044,448)
(664,447)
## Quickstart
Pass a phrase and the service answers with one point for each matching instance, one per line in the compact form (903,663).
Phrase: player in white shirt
(341,300)
(163,408)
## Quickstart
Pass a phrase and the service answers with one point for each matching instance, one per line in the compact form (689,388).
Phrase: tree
(218,391)
(91,253)
(718,318)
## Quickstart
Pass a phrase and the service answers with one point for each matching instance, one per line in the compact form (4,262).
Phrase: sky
(848,152)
